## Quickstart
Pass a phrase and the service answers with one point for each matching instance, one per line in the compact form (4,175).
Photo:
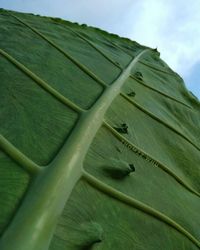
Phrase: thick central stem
(33,226)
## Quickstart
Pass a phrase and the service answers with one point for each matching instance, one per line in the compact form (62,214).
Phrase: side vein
(96,48)
(41,82)
(160,92)
(81,66)
(155,68)
(159,120)
(148,157)
(123,50)
(138,205)
(30,166)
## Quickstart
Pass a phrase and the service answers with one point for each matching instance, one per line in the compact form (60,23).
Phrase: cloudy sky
(171,25)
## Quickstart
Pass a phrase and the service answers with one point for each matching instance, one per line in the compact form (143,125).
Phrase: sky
(173,26)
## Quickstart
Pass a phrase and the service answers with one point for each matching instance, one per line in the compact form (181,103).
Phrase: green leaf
(100,142)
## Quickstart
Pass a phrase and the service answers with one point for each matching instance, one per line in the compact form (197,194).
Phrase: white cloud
(173,26)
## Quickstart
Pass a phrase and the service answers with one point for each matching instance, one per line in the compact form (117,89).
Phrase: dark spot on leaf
(123,129)
(132,167)
(118,149)
(117,169)
(138,75)
(156,50)
(132,94)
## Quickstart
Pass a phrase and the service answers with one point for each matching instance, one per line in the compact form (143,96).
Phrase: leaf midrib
(55,183)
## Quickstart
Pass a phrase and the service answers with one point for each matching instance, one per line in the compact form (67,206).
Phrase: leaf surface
(100,142)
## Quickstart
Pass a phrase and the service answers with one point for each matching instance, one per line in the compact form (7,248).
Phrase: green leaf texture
(100,142)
